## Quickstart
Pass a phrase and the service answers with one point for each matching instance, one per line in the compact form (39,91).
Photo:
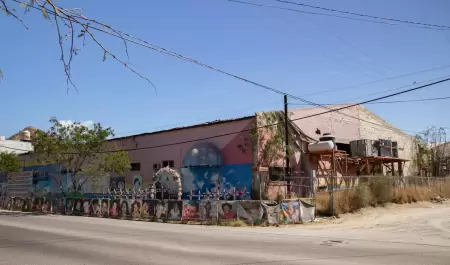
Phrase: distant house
(17,144)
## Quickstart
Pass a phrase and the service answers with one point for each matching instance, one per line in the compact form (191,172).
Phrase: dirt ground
(423,218)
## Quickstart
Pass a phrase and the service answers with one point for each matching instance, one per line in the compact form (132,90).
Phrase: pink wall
(228,145)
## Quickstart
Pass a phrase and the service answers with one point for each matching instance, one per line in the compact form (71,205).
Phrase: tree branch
(12,14)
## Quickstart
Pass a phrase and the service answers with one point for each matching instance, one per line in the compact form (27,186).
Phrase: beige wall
(369,130)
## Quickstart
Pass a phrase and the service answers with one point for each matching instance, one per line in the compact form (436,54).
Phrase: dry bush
(381,189)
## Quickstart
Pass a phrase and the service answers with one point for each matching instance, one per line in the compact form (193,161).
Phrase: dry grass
(378,192)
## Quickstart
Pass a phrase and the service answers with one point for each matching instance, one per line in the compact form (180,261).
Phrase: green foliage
(269,137)
(82,150)
(9,162)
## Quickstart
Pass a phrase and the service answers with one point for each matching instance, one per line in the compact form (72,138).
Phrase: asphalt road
(65,240)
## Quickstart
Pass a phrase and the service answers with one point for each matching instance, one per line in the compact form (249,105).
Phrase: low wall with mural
(251,212)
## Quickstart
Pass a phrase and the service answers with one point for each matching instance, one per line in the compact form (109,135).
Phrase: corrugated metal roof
(187,127)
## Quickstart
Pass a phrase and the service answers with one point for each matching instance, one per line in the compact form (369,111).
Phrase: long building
(222,155)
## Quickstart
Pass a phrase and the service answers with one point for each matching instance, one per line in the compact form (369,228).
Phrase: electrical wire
(273,124)
(140,42)
(385,102)
(338,16)
(389,90)
(364,15)
(377,81)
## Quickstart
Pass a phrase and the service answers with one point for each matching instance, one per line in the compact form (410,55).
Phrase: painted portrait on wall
(290,212)
(69,206)
(227,210)
(161,210)
(124,210)
(145,209)
(190,210)
(114,208)
(78,207)
(174,208)
(104,208)
(136,209)
(86,207)
(95,208)
(208,210)
(46,205)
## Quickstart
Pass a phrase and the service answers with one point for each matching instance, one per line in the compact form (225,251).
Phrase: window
(169,163)
(135,166)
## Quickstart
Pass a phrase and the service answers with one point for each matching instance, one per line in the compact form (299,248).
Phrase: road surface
(416,237)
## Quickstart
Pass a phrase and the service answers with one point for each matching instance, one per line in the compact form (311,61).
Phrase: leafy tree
(83,151)
(268,137)
(9,162)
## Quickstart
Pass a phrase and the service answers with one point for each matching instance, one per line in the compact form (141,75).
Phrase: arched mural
(169,180)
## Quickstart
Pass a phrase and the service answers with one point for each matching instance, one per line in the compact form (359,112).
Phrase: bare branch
(12,14)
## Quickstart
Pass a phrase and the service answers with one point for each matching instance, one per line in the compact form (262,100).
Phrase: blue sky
(299,54)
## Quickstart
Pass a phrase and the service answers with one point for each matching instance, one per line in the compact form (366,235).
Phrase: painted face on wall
(104,207)
(124,209)
(86,207)
(190,211)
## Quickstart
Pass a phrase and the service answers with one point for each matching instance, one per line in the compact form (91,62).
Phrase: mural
(104,208)
(227,210)
(226,179)
(136,209)
(117,183)
(114,209)
(290,212)
(190,210)
(251,212)
(208,210)
(136,183)
(271,213)
(174,208)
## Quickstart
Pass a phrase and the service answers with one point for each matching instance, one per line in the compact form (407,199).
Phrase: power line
(364,15)
(338,16)
(390,90)
(377,81)
(129,38)
(274,124)
(386,102)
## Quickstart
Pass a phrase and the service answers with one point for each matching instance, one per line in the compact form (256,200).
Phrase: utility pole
(286,141)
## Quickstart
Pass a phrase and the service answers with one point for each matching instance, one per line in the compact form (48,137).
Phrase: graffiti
(290,212)
(190,210)
(244,144)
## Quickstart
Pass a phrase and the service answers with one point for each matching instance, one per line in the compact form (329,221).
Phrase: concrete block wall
(406,145)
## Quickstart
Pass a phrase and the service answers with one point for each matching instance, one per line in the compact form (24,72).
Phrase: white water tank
(321,146)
